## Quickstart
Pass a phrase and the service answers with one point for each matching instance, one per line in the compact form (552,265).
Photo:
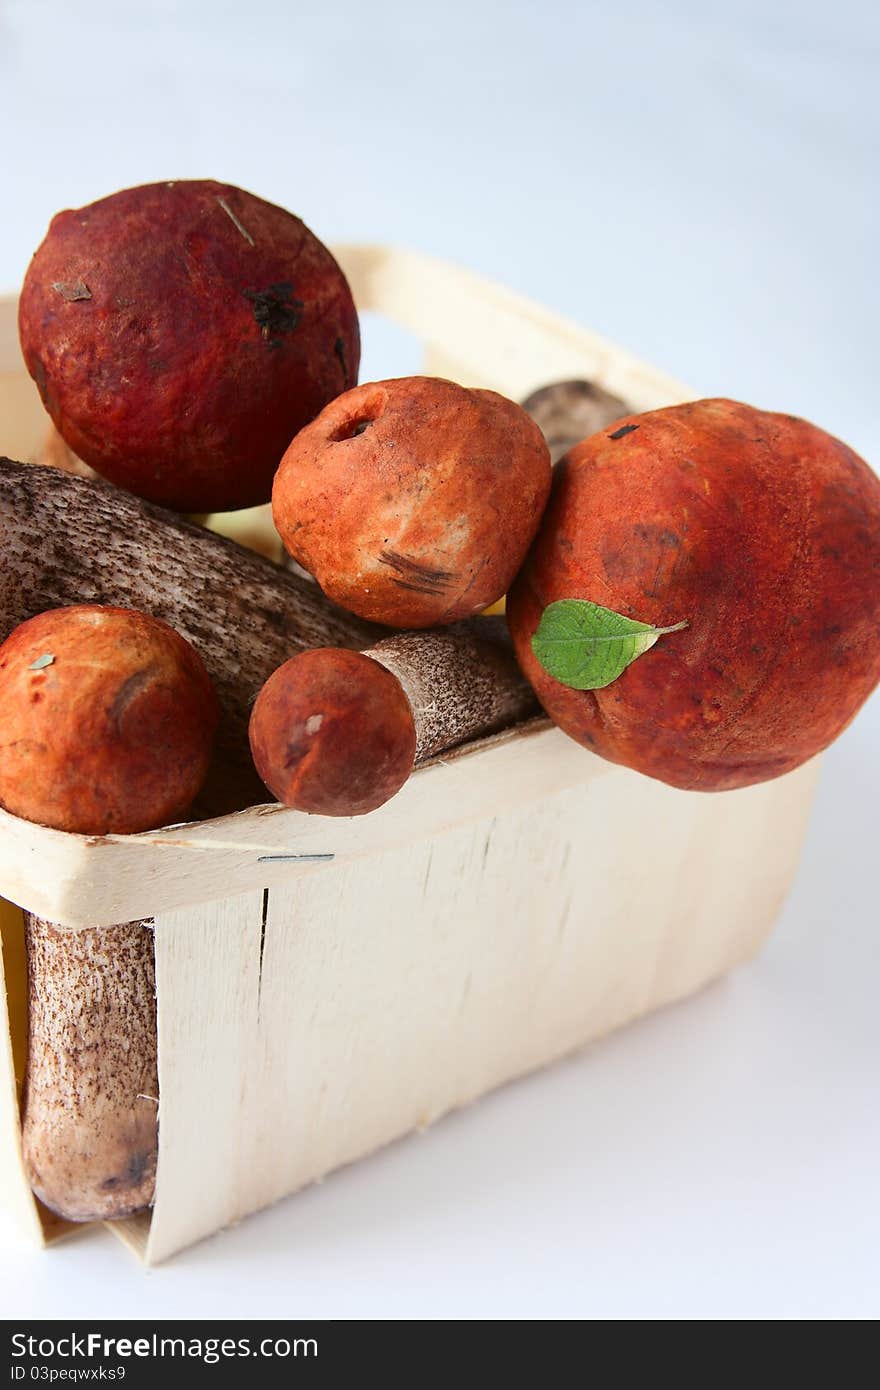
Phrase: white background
(697,181)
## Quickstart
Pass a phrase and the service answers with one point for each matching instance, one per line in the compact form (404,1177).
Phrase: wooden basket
(325,986)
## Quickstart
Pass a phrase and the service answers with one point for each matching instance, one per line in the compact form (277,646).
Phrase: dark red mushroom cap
(332,733)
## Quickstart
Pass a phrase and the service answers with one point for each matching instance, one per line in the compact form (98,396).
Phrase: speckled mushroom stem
(461,682)
(90,1111)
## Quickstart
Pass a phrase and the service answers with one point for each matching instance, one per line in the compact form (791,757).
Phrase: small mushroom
(337,733)
(109,719)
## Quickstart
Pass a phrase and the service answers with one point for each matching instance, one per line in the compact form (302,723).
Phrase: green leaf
(585,646)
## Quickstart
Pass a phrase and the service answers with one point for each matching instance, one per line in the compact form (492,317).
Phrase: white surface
(699,182)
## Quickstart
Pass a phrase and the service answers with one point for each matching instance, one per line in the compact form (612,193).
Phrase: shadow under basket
(326,986)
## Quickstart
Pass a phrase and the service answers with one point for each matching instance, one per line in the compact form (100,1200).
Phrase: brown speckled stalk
(66,540)
(90,1113)
(461,683)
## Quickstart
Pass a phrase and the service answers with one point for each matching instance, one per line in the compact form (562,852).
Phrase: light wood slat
(396,988)
(15,1194)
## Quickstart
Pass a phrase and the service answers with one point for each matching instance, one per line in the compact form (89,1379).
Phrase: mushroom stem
(461,683)
(90,1111)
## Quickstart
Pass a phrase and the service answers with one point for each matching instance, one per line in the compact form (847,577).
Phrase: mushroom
(108,721)
(752,540)
(180,333)
(413,501)
(338,732)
